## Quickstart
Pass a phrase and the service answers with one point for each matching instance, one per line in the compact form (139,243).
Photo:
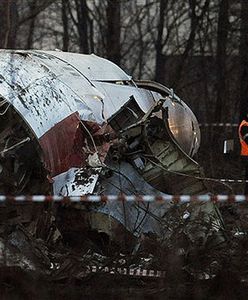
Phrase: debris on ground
(47,248)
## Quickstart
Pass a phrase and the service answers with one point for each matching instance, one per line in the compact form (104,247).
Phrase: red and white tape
(218,125)
(233,180)
(132,198)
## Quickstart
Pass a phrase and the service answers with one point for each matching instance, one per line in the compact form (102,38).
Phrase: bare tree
(113,31)
(243,52)
(31,26)
(159,45)
(27,14)
(222,36)
(65,22)
(8,23)
(195,21)
(82,25)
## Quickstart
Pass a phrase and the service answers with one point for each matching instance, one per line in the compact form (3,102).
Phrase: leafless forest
(197,47)
(200,49)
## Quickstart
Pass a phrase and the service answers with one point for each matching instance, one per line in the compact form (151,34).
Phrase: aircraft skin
(56,91)
(92,129)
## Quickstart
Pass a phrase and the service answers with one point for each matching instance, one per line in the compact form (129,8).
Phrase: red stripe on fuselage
(62,145)
(68,145)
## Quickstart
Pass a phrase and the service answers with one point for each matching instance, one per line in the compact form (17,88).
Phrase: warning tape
(233,180)
(218,124)
(132,198)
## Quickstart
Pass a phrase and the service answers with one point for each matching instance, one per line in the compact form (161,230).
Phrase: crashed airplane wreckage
(74,124)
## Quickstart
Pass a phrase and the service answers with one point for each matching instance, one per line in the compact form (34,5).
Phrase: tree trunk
(82,25)
(31,26)
(8,24)
(194,24)
(222,35)
(65,25)
(113,31)
(4,7)
(160,57)
(243,53)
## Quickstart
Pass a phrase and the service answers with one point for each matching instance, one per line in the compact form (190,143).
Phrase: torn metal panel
(122,177)
(154,152)
(88,128)
(52,104)
(179,171)
(37,94)
(137,218)
(128,114)
(76,181)
(117,95)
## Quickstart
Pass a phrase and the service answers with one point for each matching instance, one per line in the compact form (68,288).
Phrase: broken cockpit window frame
(128,114)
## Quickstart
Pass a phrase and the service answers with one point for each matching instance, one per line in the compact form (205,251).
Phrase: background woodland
(197,47)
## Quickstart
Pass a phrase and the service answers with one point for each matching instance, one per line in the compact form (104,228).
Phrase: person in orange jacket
(243,138)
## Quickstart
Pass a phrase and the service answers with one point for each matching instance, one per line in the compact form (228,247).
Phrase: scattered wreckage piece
(74,124)
(51,240)
(40,242)
(154,151)
(25,246)
(72,108)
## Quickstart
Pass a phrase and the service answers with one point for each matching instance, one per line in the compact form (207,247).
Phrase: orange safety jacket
(244,146)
